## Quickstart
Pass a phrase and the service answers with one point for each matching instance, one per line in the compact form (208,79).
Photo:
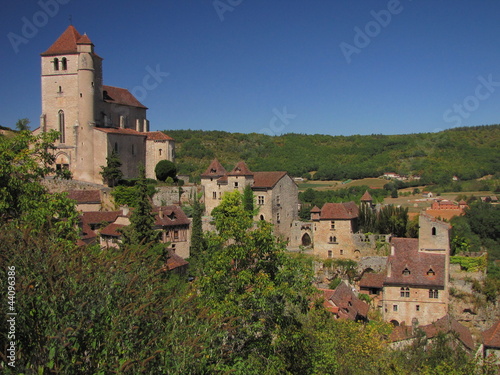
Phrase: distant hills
(466,152)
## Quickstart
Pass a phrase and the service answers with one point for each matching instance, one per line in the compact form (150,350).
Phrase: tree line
(467,153)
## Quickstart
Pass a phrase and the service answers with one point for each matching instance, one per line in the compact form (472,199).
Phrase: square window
(394,307)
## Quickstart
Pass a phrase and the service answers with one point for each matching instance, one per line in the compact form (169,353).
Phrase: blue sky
(275,66)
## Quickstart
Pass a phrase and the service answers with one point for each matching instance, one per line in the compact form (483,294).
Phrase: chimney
(125,210)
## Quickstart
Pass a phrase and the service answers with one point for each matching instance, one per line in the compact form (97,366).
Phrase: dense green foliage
(197,239)
(142,221)
(128,195)
(165,169)
(111,172)
(24,202)
(468,153)
(478,230)
(251,310)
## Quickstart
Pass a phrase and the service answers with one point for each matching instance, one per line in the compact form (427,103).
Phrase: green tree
(248,201)
(141,229)
(165,169)
(23,124)
(197,240)
(112,173)
(248,277)
(24,202)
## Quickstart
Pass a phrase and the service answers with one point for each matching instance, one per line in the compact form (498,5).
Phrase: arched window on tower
(62,135)
(433,231)
(56,64)
(64,64)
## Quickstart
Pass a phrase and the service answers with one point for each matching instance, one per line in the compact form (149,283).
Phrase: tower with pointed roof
(93,119)
(275,193)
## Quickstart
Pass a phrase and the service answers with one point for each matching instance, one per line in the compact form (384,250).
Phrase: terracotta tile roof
(349,306)
(157,136)
(339,211)
(96,217)
(448,324)
(372,280)
(240,169)
(444,325)
(407,256)
(87,233)
(267,179)
(315,209)
(121,131)
(84,39)
(111,230)
(215,169)
(175,261)
(366,197)
(85,196)
(401,333)
(121,96)
(65,44)
(170,216)
(491,337)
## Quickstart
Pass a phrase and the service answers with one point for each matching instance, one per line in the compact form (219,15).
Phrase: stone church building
(94,119)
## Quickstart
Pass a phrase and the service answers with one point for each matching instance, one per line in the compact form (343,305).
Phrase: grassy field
(376,183)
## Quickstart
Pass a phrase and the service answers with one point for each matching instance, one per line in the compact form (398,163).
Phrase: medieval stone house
(94,119)
(414,287)
(276,194)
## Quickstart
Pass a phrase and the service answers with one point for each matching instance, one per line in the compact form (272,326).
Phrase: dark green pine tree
(142,220)
(112,173)
(197,240)
(248,201)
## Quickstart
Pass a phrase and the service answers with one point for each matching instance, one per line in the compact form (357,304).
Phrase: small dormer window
(213,170)
(64,64)
(56,63)
(406,272)
(431,272)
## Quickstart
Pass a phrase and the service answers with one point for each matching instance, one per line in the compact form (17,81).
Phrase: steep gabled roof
(267,179)
(241,169)
(407,257)
(491,337)
(65,44)
(339,211)
(215,169)
(111,230)
(350,306)
(121,96)
(315,209)
(170,216)
(366,197)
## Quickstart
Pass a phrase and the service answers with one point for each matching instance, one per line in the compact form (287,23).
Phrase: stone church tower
(94,120)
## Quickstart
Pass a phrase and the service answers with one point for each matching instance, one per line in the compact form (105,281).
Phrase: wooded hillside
(467,152)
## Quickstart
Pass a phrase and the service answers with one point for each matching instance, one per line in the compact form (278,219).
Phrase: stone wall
(168,195)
